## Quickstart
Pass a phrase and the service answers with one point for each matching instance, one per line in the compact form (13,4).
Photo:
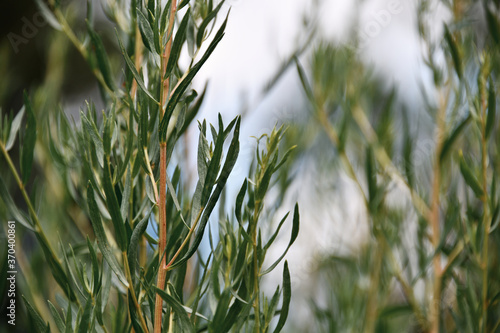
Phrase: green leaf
(455,54)
(12,209)
(182,4)
(100,234)
(126,196)
(93,132)
(146,32)
(132,68)
(69,321)
(173,194)
(214,165)
(193,111)
(139,230)
(232,155)
(28,146)
(133,315)
(84,325)
(264,182)
(14,128)
(493,24)
(218,321)
(114,208)
(276,232)
(184,83)
(39,323)
(303,79)
(287,295)
(55,267)
(61,326)
(295,232)
(469,177)
(182,319)
(102,57)
(492,103)
(206,22)
(239,201)
(180,36)
(95,268)
(447,145)
(47,15)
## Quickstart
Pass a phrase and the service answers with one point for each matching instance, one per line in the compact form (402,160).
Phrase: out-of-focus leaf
(14,128)
(12,208)
(47,15)
(102,57)
(492,103)
(448,143)
(455,54)
(493,24)
(28,146)
(469,177)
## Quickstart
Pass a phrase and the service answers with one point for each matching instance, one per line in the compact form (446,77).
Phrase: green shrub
(117,227)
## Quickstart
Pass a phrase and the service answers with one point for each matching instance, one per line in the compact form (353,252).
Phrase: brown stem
(165,82)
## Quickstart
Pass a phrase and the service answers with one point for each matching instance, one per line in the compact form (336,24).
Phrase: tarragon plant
(107,196)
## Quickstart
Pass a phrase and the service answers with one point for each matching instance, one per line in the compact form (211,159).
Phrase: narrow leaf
(295,232)
(102,57)
(132,68)
(183,322)
(146,32)
(469,177)
(14,128)
(100,234)
(180,36)
(287,295)
(184,83)
(39,323)
(492,103)
(48,16)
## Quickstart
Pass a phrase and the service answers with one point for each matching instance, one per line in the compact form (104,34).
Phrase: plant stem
(132,292)
(486,217)
(434,217)
(164,88)
(256,267)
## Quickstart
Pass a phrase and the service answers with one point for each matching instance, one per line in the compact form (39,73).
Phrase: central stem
(162,244)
